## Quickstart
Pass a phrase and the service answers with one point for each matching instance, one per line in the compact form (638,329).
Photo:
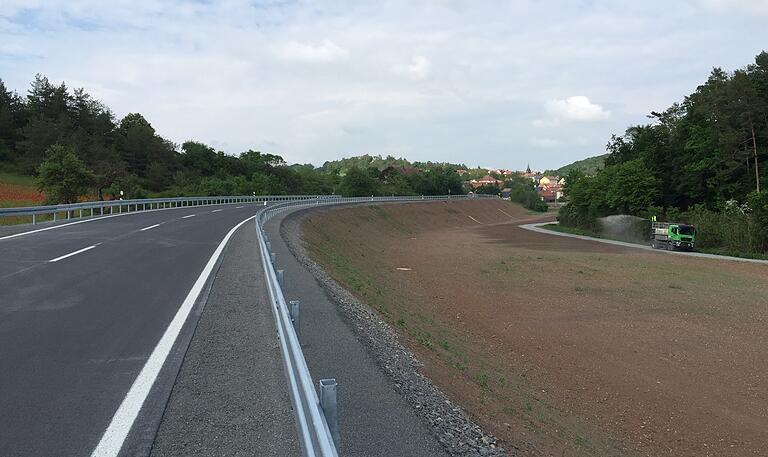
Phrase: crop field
(561,346)
(18,191)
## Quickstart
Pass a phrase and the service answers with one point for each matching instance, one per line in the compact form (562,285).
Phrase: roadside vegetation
(702,162)
(67,146)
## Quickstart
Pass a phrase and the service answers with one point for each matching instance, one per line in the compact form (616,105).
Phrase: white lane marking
(79,251)
(191,215)
(474,219)
(238,207)
(216,211)
(150,227)
(90,219)
(114,436)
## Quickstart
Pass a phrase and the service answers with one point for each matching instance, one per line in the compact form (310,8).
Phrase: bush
(527,197)
(63,176)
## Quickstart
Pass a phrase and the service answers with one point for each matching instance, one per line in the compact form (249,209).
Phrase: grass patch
(730,253)
(19,180)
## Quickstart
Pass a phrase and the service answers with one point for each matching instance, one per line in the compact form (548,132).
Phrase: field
(561,346)
(15,191)
(18,190)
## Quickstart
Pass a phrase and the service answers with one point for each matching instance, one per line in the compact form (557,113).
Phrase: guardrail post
(91,211)
(81,213)
(33,220)
(54,216)
(281,278)
(330,408)
(294,306)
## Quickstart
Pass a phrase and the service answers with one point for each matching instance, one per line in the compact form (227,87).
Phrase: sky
(487,83)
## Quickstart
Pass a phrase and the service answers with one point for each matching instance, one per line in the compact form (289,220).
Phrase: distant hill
(589,166)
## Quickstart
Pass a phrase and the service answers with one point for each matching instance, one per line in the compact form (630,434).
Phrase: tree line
(702,160)
(77,148)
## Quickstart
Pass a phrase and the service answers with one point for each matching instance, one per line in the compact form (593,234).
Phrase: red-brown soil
(561,346)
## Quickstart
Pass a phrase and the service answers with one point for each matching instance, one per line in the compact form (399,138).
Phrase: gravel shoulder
(391,408)
(231,397)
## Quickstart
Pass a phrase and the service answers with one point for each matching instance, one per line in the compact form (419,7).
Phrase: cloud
(546,143)
(577,108)
(417,70)
(448,80)
(744,6)
(327,51)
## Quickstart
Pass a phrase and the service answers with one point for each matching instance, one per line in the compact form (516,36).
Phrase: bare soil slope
(562,346)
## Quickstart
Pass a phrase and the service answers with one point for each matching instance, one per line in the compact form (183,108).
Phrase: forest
(701,161)
(76,149)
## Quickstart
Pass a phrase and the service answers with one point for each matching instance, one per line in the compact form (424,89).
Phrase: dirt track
(562,346)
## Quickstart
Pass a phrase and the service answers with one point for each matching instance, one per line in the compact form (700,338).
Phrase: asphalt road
(231,396)
(81,309)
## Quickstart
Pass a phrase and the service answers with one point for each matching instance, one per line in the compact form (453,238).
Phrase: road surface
(82,308)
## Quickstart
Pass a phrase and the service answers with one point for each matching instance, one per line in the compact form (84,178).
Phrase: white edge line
(79,251)
(216,211)
(114,436)
(187,217)
(150,227)
(538,229)
(238,207)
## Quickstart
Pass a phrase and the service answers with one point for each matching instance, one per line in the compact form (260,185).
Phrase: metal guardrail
(316,416)
(99,208)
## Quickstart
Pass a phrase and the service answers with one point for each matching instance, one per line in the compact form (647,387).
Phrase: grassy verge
(727,252)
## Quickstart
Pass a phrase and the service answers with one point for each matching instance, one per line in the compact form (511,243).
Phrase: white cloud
(417,70)
(232,72)
(546,143)
(577,108)
(745,6)
(327,51)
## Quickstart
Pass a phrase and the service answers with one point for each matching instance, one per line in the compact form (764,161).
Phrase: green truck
(672,236)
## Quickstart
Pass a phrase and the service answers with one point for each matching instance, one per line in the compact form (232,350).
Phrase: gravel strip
(453,428)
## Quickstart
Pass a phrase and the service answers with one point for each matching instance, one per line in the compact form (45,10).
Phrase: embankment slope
(562,346)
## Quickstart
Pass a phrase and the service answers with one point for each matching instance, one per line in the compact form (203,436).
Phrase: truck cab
(673,236)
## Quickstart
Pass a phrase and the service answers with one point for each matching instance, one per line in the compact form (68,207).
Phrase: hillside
(589,166)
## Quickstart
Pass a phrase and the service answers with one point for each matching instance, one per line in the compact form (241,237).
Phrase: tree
(360,182)
(63,177)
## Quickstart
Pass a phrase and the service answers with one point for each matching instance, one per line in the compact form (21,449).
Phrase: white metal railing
(99,208)
(316,419)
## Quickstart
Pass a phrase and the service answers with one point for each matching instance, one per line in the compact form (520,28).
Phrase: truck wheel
(654,245)
(670,246)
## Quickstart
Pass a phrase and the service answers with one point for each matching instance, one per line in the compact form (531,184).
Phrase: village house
(550,188)
(486,180)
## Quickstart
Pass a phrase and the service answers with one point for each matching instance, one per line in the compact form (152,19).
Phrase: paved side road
(538,228)
(231,395)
